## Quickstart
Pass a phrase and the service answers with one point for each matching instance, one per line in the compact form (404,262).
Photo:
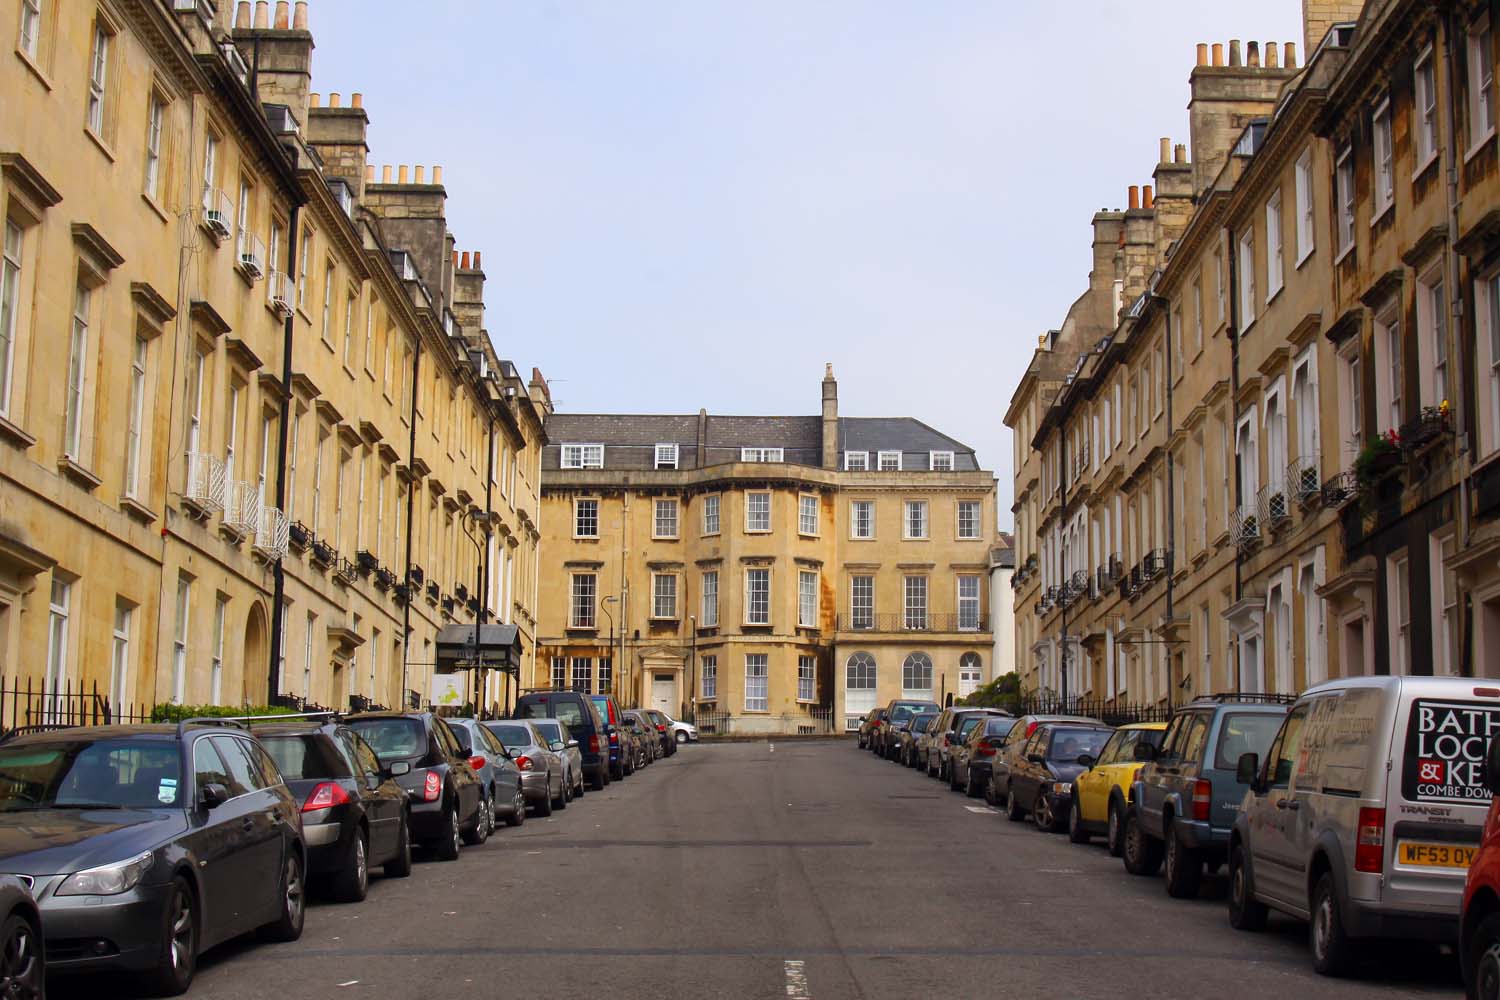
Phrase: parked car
(561,742)
(354,813)
(541,770)
(867,727)
(945,736)
(1183,804)
(663,727)
(1041,779)
(1364,814)
(900,710)
(1008,756)
(159,840)
(23,971)
(969,768)
(906,753)
(644,733)
(447,803)
(620,764)
(498,775)
(1479,929)
(581,716)
(1098,805)
(682,732)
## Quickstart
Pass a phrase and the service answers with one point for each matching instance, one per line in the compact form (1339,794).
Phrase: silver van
(1366,812)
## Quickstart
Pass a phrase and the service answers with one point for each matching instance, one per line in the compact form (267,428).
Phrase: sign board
(447,690)
(1446,743)
(498,647)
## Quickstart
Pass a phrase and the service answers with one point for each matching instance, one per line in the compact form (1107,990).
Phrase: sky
(699,203)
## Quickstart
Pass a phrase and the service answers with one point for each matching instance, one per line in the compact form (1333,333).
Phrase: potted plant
(1431,424)
(1378,458)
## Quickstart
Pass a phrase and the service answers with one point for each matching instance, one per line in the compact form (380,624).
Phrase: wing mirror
(557,746)
(1143,753)
(1247,768)
(399,768)
(1086,760)
(572,744)
(1036,758)
(215,795)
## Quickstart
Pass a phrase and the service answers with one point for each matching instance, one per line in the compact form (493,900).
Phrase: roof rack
(332,713)
(206,720)
(1261,698)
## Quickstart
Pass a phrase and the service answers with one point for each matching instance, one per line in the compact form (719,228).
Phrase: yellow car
(1099,793)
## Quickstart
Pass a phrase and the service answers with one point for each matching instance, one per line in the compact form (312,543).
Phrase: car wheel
(544,805)
(1114,837)
(353,883)
(617,772)
(1333,952)
(953,784)
(1184,868)
(400,865)
(480,831)
(1013,810)
(561,802)
(1482,959)
(1246,913)
(600,779)
(288,925)
(517,810)
(680,737)
(1142,853)
(578,784)
(177,957)
(567,793)
(1042,814)
(448,843)
(971,787)
(1076,830)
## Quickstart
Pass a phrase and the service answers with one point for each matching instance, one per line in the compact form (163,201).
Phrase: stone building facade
(776,574)
(1256,453)
(244,466)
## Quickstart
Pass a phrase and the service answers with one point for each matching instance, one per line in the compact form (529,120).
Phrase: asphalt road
(800,870)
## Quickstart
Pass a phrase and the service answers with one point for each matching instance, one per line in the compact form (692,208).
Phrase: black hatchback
(581,716)
(445,798)
(146,845)
(355,814)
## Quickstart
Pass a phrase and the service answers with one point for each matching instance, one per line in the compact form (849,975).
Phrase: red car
(1479,933)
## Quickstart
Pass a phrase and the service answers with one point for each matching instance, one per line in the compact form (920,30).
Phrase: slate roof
(630,439)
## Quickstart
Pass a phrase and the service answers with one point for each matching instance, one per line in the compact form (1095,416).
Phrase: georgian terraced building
(777,573)
(1261,450)
(246,394)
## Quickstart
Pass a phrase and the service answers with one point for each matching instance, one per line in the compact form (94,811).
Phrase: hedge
(167,712)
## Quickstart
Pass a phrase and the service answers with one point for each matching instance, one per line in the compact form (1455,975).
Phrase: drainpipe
(1234,410)
(278,574)
(484,570)
(411,499)
(1171,499)
(1455,327)
(1062,438)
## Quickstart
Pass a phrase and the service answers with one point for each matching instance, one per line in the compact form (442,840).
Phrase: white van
(1366,813)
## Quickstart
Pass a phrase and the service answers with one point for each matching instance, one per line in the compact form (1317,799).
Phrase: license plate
(1425,855)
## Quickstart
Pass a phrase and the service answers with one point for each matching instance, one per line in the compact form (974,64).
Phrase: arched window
(860,672)
(970,674)
(916,673)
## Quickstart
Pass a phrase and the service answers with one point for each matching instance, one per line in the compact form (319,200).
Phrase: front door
(664,693)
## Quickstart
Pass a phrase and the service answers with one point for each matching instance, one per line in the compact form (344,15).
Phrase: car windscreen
(511,735)
(1244,732)
(967,723)
(1068,742)
(104,774)
(921,723)
(601,702)
(304,756)
(461,734)
(566,709)
(902,711)
(391,738)
(998,727)
(550,730)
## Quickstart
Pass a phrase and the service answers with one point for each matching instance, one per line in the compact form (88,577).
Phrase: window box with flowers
(1378,459)
(1433,424)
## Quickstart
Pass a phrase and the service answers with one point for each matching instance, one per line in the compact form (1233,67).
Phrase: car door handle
(248,824)
(1287,804)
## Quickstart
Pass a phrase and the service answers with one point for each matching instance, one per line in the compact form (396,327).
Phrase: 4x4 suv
(584,722)
(1183,805)
(621,760)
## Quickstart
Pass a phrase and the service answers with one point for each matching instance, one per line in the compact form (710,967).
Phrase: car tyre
(480,831)
(1184,867)
(1142,854)
(1333,952)
(22,976)
(561,802)
(971,787)
(680,737)
(1246,913)
(1077,833)
(953,784)
(449,839)
(544,804)
(177,959)
(518,810)
(600,779)
(1043,815)
(288,924)
(1114,835)
(400,865)
(1481,955)
(1013,810)
(353,883)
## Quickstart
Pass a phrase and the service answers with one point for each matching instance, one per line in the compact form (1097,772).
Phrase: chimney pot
(1147,198)
(465,264)
(1135,197)
(437,175)
(333,99)
(476,260)
(402,175)
(1202,53)
(1272,58)
(421,173)
(356,100)
(299,15)
(283,15)
(1218,53)
(262,14)
(455,260)
(1166,149)
(1252,55)
(1291,55)
(385,174)
(1234,52)
(242,14)
(369,173)
(1179,153)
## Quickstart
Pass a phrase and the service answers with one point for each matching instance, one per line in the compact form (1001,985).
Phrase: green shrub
(167,712)
(1002,692)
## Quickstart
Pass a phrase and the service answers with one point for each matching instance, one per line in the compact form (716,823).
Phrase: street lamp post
(478,518)
(604,606)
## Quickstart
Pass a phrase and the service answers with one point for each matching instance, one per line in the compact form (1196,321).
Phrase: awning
(499,648)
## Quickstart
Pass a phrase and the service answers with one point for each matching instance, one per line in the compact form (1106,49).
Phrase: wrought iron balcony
(901,622)
(1272,505)
(242,513)
(280,294)
(1303,481)
(217,215)
(272,534)
(207,486)
(1244,527)
(251,258)
(1339,489)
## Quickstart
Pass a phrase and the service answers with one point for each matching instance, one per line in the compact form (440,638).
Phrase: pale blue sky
(696,203)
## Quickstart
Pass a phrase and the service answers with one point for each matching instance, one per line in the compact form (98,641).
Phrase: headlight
(106,880)
(1062,788)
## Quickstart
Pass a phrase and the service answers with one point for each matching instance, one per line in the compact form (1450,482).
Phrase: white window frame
(808,514)
(119,659)
(1432,337)
(709,599)
(862,601)
(10,307)
(977,508)
(855,520)
(1382,161)
(1305,202)
(1389,374)
(916,608)
(77,375)
(666,455)
(1487,318)
(762,455)
(577,455)
(915,523)
(575,593)
(709,664)
(757,598)
(1481,84)
(216,658)
(134,417)
(156,110)
(970,608)
(893,457)
(29,40)
(98,84)
(917,665)
(664,597)
(1446,656)
(712,507)
(180,637)
(1351,401)
(1343,190)
(757,682)
(1275,256)
(1398,597)
(59,646)
(856,461)
(754,527)
(1424,111)
(807,679)
(1247,281)
(578,519)
(807,599)
(666,518)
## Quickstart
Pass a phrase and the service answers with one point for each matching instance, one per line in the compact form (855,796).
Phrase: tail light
(325,796)
(432,787)
(594,743)
(523,763)
(1030,728)
(1203,794)
(614,738)
(985,749)
(660,728)
(477,763)
(1369,847)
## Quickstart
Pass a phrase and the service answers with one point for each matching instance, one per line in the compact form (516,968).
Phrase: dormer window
(890,461)
(583,456)
(940,461)
(856,461)
(666,456)
(762,455)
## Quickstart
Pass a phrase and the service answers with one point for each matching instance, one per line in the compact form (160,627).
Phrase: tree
(1002,692)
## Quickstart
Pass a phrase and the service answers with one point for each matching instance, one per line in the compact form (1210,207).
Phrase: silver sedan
(541,768)
(562,743)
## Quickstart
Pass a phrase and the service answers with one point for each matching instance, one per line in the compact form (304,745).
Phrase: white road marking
(796,981)
(985,810)
(772,746)
(1060,871)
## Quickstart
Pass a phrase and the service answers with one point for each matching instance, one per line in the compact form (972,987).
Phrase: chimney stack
(830,419)
(421,174)
(1291,55)
(476,261)
(1252,55)
(1271,56)
(1166,150)
(402,174)
(334,100)
(385,174)
(356,100)
(464,261)
(437,175)
(1179,153)
(1234,53)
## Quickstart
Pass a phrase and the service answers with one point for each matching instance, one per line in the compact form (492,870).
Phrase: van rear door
(1436,799)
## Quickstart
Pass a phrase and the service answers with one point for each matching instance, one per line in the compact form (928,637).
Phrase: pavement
(786,870)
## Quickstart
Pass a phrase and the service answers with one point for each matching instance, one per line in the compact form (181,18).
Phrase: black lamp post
(477,518)
(604,604)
